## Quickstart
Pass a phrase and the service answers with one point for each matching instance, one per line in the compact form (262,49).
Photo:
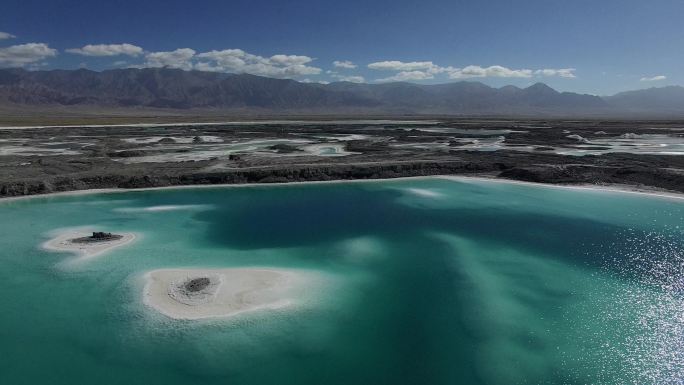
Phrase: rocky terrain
(51,159)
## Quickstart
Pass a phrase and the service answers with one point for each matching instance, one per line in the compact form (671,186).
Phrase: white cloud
(408,75)
(425,70)
(180,58)
(395,65)
(5,36)
(25,54)
(346,64)
(119,63)
(653,78)
(349,78)
(239,61)
(488,72)
(107,50)
(234,61)
(562,72)
(289,60)
(307,80)
(417,70)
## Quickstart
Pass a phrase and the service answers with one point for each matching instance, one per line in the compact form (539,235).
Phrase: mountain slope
(164,88)
(167,88)
(662,99)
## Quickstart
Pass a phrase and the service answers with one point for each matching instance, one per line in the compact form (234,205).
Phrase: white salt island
(87,244)
(210,293)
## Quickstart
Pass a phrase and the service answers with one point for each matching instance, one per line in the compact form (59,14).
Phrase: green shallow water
(429,281)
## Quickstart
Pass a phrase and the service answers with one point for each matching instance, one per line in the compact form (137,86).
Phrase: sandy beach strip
(62,242)
(614,188)
(611,188)
(236,291)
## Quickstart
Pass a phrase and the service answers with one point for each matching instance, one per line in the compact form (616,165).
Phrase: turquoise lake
(430,281)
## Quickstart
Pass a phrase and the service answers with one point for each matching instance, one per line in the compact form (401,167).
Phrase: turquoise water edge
(429,281)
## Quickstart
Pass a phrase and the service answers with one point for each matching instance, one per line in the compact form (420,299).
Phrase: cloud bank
(653,78)
(25,54)
(424,70)
(416,70)
(348,78)
(395,65)
(239,61)
(233,61)
(281,66)
(406,76)
(496,71)
(346,64)
(563,72)
(180,58)
(107,50)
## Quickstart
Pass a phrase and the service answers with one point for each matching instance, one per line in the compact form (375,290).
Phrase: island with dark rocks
(86,244)
(224,293)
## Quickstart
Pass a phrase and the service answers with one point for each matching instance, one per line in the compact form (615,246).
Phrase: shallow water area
(433,280)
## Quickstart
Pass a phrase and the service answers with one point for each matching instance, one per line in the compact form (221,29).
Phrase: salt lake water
(427,281)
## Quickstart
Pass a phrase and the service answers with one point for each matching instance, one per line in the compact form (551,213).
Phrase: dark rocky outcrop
(98,236)
(197,284)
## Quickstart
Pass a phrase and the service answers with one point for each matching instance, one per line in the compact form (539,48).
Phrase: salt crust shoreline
(614,188)
(237,291)
(63,243)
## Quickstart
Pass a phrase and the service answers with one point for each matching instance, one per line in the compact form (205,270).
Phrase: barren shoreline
(229,123)
(643,155)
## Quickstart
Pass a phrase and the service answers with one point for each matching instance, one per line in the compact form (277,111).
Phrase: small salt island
(87,245)
(209,293)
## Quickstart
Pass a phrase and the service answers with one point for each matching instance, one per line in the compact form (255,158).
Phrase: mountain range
(166,88)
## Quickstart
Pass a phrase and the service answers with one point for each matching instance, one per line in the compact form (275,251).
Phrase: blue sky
(599,47)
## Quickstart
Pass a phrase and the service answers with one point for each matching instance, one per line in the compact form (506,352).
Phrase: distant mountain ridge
(663,99)
(183,90)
